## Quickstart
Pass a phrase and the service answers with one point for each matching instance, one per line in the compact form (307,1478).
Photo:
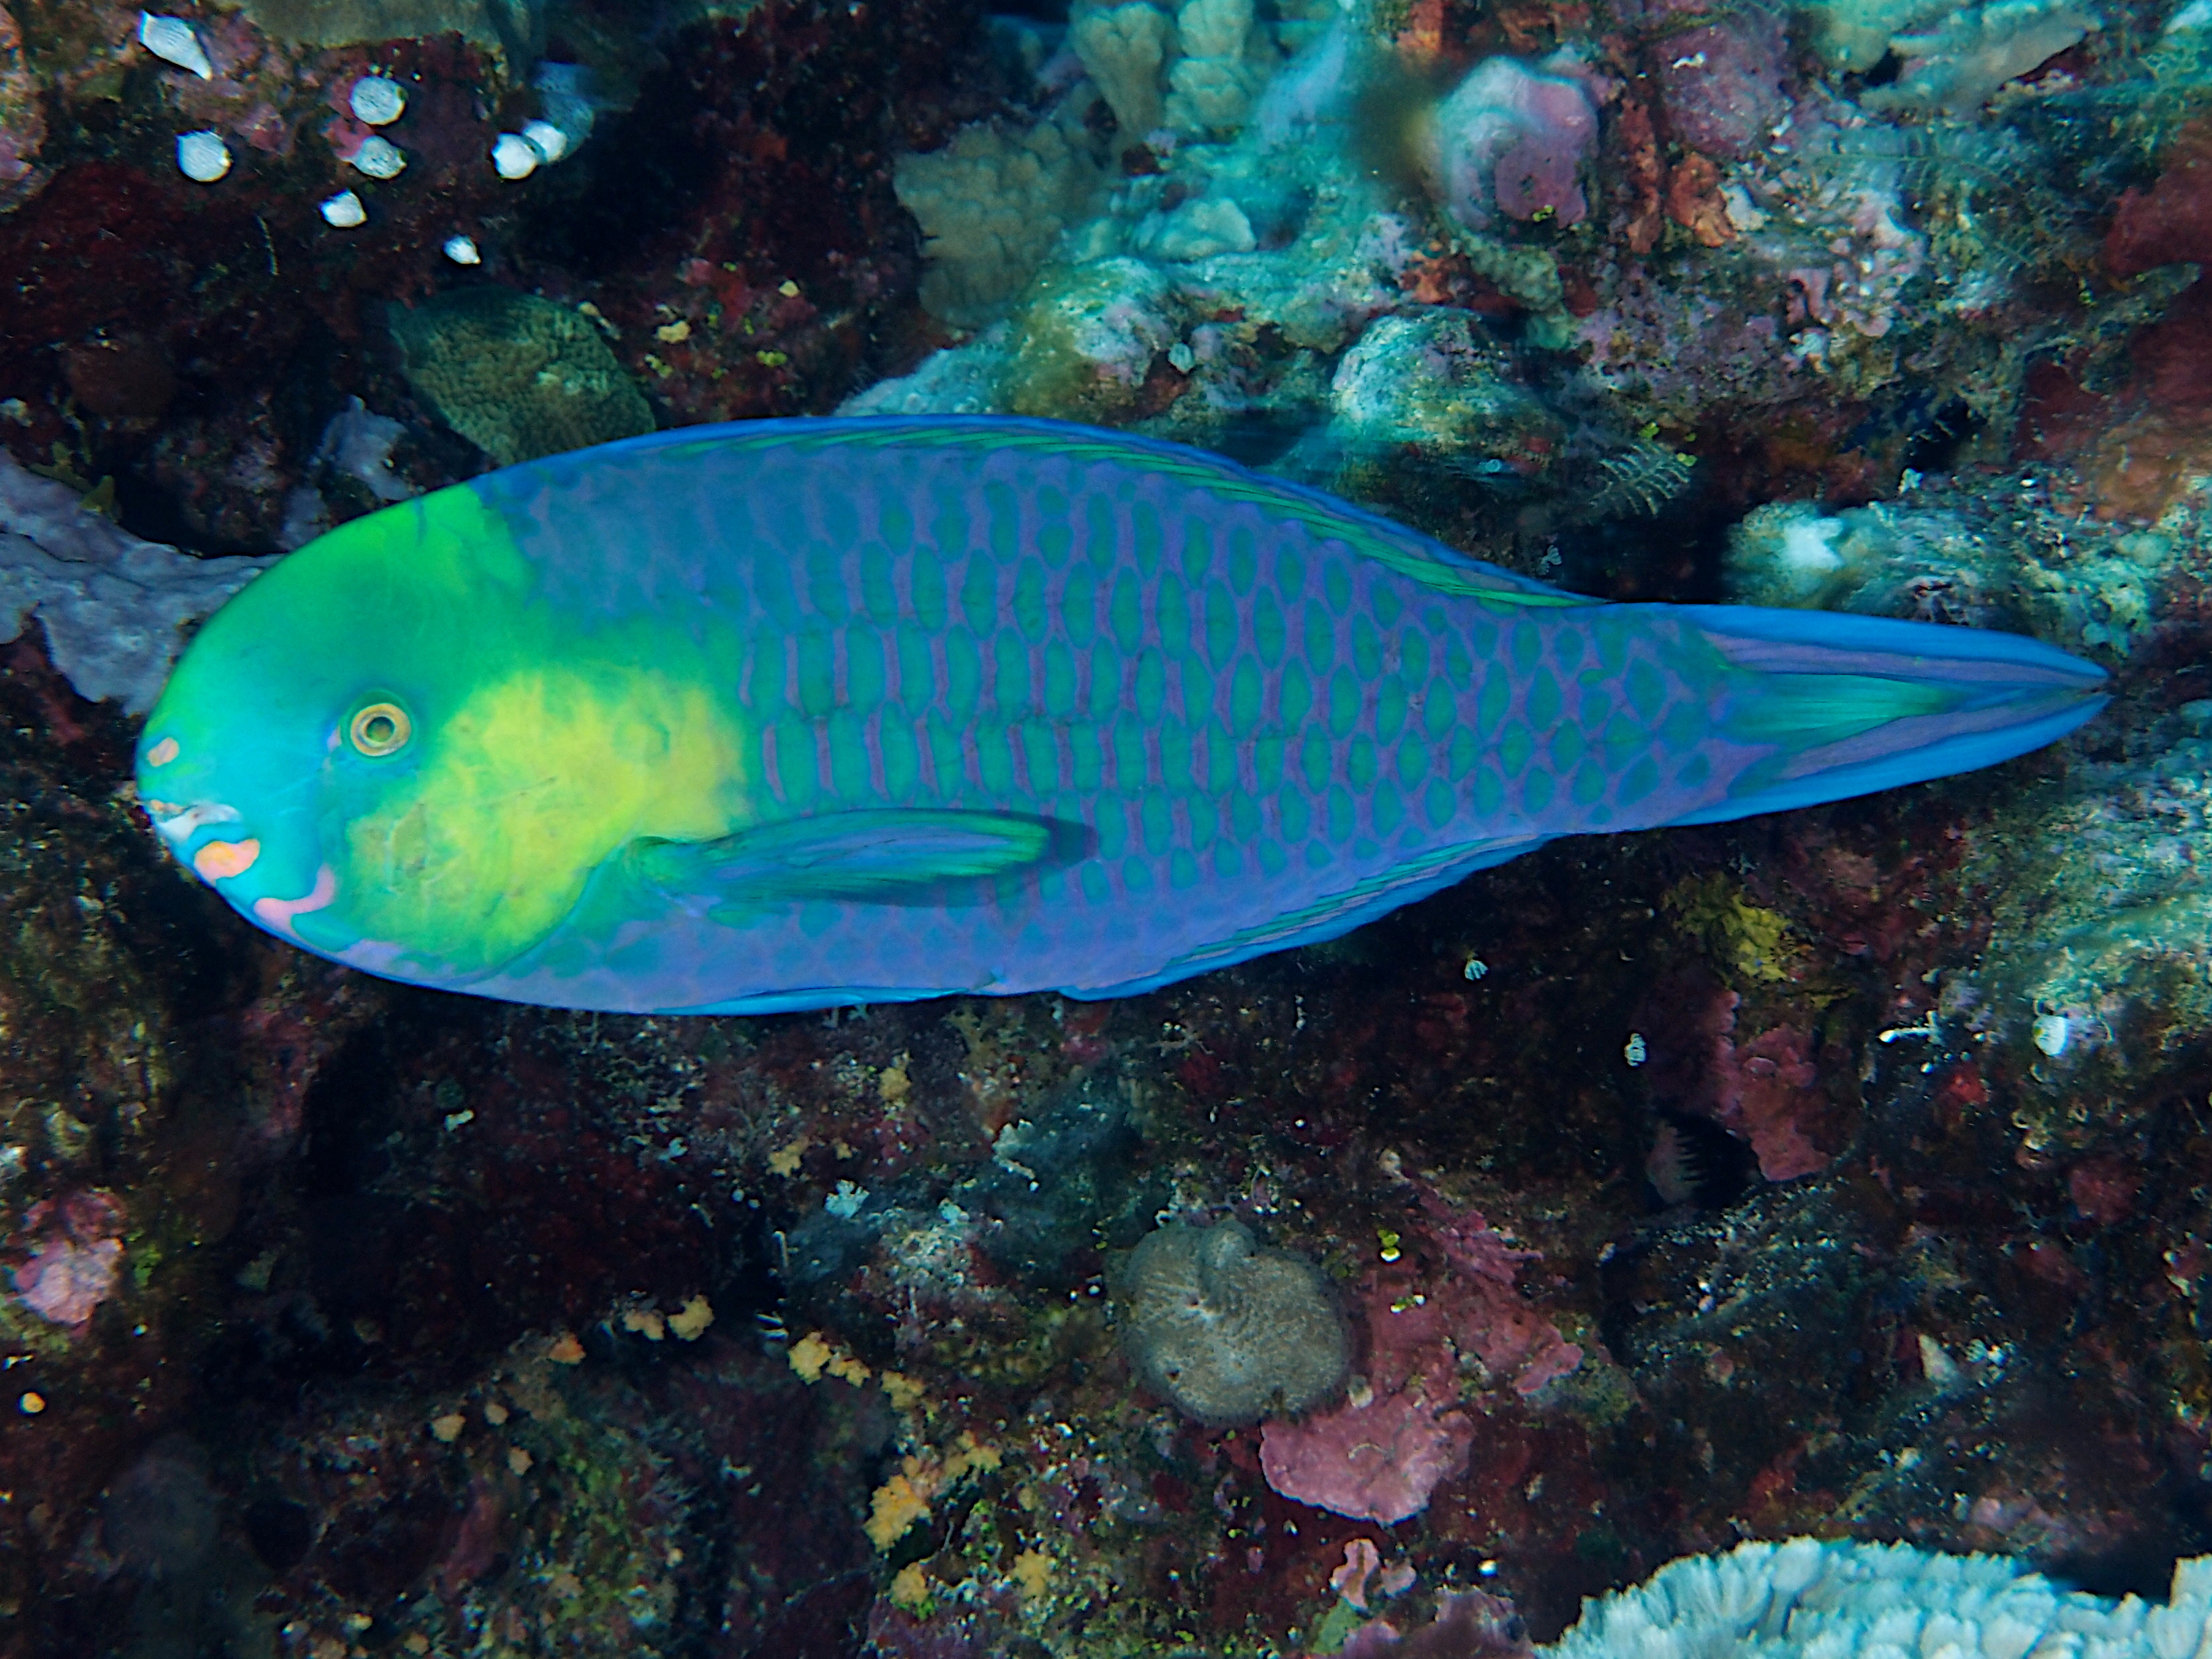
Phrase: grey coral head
(1226,1330)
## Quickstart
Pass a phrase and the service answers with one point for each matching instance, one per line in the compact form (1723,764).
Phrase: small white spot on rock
(462,251)
(173,40)
(377,100)
(1634,1051)
(379,158)
(513,156)
(548,140)
(2050,1033)
(344,209)
(202,156)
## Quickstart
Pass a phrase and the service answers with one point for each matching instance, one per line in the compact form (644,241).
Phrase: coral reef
(1513,140)
(518,376)
(1839,1172)
(991,204)
(192,340)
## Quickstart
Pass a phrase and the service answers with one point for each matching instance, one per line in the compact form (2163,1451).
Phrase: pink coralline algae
(1513,1340)
(73,1265)
(1382,1456)
(1764,1094)
(1363,1562)
(1468,1626)
(1723,83)
(1350,1580)
(22,121)
(1512,139)
(1377,1461)
(1762,1088)
(1860,290)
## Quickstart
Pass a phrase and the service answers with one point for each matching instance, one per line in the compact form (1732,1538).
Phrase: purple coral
(1380,1457)
(1723,83)
(1376,1461)
(1512,139)
(73,1265)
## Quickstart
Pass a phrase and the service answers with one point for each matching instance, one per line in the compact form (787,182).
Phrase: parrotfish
(793,714)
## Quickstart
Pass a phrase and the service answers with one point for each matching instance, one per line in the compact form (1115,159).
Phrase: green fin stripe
(1811,711)
(1222,479)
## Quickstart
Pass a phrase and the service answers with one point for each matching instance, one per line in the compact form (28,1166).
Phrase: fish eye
(379,728)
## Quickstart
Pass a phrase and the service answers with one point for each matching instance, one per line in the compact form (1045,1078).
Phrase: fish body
(793,714)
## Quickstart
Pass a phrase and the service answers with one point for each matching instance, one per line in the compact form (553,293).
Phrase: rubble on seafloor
(1838,1173)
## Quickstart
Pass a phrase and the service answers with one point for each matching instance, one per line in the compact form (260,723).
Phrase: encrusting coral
(1228,1330)
(517,375)
(1827,1600)
(110,604)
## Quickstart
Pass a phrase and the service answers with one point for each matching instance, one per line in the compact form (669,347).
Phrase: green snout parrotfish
(791,714)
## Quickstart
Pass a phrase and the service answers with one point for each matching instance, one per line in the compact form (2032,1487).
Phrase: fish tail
(1847,705)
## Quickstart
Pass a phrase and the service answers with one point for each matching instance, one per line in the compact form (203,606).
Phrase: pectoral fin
(885,856)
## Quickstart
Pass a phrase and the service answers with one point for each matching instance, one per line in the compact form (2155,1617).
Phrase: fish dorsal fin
(892,855)
(1405,551)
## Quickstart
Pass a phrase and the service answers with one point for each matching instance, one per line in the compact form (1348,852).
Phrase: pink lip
(276,913)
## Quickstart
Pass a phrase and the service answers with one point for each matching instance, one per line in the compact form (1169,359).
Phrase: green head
(386,748)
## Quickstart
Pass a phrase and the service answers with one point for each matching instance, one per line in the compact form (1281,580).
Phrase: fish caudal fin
(1853,704)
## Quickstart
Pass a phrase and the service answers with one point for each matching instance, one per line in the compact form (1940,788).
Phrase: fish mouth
(212,858)
(222,859)
(178,825)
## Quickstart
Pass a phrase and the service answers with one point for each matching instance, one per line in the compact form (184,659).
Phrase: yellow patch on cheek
(221,860)
(407,845)
(532,784)
(162,752)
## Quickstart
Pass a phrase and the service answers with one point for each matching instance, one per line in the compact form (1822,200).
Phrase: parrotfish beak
(273,883)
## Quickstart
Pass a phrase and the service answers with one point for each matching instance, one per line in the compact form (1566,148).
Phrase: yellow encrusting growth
(922,1477)
(896,1505)
(1755,942)
(968,1454)
(1032,1571)
(910,1586)
(689,1321)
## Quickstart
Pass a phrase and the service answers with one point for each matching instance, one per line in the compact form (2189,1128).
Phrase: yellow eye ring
(379,729)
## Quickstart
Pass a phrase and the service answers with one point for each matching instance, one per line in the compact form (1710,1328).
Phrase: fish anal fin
(1333,916)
